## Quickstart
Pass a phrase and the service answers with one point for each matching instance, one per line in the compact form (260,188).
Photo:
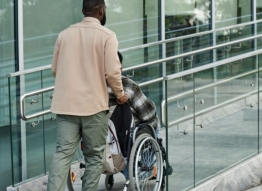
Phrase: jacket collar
(91,19)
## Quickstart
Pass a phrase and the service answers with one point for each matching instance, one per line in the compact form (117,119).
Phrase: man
(85,61)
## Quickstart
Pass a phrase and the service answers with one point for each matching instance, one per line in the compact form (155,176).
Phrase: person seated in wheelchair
(142,108)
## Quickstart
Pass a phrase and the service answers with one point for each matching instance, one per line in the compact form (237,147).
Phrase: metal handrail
(200,68)
(140,66)
(157,43)
(190,53)
(204,111)
(142,84)
(38,69)
(22,104)
(215,64)
(187,36)
(186,93)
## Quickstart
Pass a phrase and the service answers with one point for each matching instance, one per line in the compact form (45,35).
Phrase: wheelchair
(145,162)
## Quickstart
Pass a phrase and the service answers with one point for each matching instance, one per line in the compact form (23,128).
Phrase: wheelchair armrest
(143,123)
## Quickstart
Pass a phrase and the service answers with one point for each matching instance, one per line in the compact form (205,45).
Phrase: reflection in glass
(259,9)
(185,18)
(259,31)
(135,28)
(228,35)
(232,12)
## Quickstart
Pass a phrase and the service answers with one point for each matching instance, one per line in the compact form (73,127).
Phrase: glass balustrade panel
(29,140)
(243,82)
(17,130)
(180,134)
(259,57)
(49,128)
(35,159)
(36,82)
(226,132)
(7,65)
(42,136)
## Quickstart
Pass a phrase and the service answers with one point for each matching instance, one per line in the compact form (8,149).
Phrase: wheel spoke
(146,165)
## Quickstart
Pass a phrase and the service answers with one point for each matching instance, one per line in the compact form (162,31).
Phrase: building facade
(147,31)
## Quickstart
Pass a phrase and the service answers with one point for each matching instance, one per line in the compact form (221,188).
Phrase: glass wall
(34,145)
(33,141)
(136,23)
(205,137)
(186,18)
(43,20)
(7,56)
(259,10)
(232,12)
(229,13)
(259,31)
(7,65)
(134,28)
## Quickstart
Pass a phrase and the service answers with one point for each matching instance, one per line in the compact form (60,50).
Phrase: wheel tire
(143,141)
(109,183)
(163,183)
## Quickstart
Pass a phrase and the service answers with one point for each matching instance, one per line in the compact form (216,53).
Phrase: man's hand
(122,99)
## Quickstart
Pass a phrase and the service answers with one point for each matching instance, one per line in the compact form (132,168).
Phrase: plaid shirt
(143,109)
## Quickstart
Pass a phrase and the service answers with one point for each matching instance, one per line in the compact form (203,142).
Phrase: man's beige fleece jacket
(85,61)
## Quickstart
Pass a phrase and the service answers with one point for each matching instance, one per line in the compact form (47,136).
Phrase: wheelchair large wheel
(76,171)
(145,164)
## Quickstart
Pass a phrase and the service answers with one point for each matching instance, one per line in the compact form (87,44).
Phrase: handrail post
(11,132)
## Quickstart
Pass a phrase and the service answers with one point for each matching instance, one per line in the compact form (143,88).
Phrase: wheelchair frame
(143,144)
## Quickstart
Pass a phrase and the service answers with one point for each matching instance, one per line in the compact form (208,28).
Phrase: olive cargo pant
(93,130)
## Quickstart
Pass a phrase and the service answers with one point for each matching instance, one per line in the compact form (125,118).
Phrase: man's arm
(55,56)
(113,69)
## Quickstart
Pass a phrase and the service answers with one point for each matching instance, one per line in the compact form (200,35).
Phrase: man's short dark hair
(120,56)
(91,5)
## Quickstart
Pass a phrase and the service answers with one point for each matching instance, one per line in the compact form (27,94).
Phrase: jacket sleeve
(55,56)
(144,107)
(113,66)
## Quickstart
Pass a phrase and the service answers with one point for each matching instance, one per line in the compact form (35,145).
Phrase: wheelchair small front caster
(109,182)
